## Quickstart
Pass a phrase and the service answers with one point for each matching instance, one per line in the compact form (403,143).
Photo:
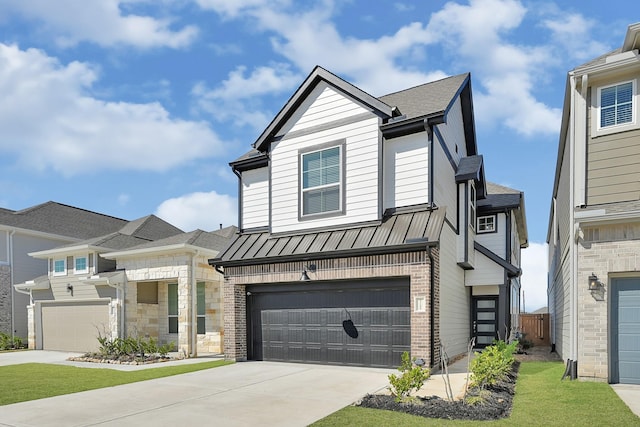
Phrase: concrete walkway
(248,393)
(630,395)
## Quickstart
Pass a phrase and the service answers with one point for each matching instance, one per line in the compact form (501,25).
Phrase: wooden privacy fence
(536,328)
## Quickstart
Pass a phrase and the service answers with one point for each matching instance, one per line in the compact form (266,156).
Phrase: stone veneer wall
(415,265)
(608,252)
(5,299)
(152,320)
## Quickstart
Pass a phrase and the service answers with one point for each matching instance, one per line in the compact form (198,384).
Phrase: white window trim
(341,145)
(596,128)
(492,230)
(64,263)
(86,270)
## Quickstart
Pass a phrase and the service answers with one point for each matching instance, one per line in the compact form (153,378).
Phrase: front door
(485,320)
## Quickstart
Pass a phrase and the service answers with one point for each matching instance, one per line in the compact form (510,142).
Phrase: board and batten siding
(453,132)
(455,297)
(255,198)
(361,151)
(613,174)
(406,170)
(495,242)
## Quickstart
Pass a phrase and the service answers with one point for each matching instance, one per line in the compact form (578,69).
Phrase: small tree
(412,378)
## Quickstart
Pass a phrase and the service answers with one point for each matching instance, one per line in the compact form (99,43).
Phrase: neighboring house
(142,280)
(594,226)
(37,228)
(367,229)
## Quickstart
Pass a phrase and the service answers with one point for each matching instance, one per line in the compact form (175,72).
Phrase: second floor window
(321,181)
(472,205)
(616,104)
(486,224)
(59,267)
(81,264)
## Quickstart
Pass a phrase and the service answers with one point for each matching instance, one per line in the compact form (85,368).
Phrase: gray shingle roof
(469,168)
(213,240)
(400,231)
(62,220)
(499,197)
(427,99)
(150,228)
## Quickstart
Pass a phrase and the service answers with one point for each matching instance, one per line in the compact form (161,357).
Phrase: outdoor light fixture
(69,287)
(594,283)
(305,277)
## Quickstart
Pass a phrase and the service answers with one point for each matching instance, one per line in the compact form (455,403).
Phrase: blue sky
(132,107)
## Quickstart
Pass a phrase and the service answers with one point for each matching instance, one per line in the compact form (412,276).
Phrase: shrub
(8,343)
(131,347)
(492,364)
(412,378)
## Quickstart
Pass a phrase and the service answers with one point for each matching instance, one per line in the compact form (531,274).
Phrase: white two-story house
(594,226)
(366,229)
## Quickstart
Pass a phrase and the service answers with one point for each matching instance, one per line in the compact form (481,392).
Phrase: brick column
(235,321)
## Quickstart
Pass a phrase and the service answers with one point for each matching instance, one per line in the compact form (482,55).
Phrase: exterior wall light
(594,283)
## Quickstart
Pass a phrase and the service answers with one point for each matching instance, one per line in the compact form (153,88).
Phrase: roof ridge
(423,84)
(51,202)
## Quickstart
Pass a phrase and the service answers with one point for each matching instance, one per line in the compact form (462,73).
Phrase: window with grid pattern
(616,104)
(321,181)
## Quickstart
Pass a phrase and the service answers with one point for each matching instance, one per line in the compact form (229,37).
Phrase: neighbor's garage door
(625,309)
(341,323)
(73,326)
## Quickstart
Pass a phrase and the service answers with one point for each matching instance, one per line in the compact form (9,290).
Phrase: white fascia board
(34,233)
(179,247)
(65,250)
(612,63)
(600,216)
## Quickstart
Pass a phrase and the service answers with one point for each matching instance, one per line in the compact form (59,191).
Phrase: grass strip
(30,381)
(541,400)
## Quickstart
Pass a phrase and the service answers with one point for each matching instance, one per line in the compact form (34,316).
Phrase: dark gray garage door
(625,310)
(340,323)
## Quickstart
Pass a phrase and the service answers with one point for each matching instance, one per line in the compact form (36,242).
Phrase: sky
(136,107)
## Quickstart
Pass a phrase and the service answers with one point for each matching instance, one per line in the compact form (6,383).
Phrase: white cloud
(308,38)
(205,211)
(49,120)
(101,22)
(534,276)
(573,33)
(238,98)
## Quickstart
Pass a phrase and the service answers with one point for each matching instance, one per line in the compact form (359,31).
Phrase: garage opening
(354,323)
(625,331)
(74,326)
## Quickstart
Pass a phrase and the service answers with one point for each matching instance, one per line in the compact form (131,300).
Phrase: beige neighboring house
(594,226)
(170,287)
(37,228)
(144,279)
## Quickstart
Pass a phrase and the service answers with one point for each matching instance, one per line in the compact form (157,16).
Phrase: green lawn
(541,400)
(30,381)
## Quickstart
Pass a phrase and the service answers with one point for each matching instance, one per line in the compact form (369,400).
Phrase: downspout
(432,316)
(194,306)
(11,288)
(573,300)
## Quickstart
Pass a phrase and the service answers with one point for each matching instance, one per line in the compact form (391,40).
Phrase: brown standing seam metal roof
(400,231)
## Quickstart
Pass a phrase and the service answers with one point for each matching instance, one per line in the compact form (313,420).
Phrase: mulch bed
(497,403)
(120,360)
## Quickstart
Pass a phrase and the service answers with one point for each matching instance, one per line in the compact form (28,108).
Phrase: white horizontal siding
(455,300)
(361,180)
(495,242)
(322,105)
(255,198)
(486,272)
(406,171)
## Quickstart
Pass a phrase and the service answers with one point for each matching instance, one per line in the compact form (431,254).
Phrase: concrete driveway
(242,394)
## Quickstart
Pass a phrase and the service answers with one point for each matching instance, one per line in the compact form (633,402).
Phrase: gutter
(432,299)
